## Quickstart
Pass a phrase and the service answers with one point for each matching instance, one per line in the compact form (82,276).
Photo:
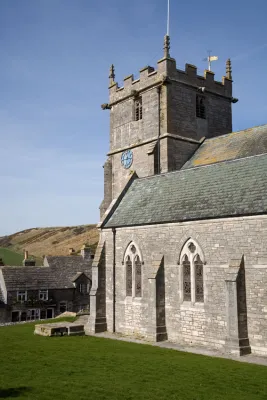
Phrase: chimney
(71,251)
(86,252)
(27,262)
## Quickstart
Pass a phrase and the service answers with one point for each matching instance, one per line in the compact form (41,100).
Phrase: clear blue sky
(55,58)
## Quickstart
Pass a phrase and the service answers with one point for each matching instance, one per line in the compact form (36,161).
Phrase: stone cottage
(62,284)
(182,254)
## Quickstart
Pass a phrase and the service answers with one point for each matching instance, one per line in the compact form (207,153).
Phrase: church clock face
(127,159)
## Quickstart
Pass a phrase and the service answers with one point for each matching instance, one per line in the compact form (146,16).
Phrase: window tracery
(133,265)
(192,261)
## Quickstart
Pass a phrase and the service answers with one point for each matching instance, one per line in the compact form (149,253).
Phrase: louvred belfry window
(200,107)
(138,108)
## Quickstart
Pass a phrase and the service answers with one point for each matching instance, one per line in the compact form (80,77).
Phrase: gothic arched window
(192,261)
(133,265)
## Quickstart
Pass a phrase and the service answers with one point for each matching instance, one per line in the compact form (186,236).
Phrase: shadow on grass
(13,392)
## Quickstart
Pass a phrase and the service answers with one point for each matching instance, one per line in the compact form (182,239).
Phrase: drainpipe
(158,90)
(114,279)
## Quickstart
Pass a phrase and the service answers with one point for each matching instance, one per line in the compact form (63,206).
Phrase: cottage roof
(58,275)
(225,189)
(248,142)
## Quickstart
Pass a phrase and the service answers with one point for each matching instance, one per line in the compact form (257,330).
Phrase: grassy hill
(46,241)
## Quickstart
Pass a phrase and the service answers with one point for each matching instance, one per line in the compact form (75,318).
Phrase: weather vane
(210,59)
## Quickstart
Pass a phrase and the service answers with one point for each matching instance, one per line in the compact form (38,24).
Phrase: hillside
(49,241)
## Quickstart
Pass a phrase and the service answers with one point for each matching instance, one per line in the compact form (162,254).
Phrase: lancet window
(192,261)
(133,268)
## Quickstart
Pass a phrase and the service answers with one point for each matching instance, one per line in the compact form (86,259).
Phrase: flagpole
(168,19)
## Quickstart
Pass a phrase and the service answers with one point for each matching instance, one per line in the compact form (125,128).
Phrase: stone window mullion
(193,282)
(133,276)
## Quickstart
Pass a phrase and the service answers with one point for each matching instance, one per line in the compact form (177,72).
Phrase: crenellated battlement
(150,77)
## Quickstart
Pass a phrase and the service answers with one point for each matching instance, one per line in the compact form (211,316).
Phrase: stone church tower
(158,120)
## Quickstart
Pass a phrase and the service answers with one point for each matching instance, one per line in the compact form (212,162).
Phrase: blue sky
(55,58)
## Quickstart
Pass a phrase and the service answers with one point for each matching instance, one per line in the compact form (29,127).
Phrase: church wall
(219,116)
(143,164)
(179,152)
(197,324)
(182,118)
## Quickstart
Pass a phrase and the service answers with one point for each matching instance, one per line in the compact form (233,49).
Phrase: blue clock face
(127,158)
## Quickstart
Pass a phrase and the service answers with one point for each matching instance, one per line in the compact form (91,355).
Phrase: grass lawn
(79,368)
(10,257)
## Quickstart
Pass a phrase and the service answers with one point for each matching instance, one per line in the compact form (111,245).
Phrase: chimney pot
(86,252)
(71,251)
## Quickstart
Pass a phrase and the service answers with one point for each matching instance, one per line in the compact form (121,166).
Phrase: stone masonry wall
(182,118)
(143,164)
(124,130)
(195,324)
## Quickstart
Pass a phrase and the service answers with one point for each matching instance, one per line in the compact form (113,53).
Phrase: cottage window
(84,288)
(192,272)
(133,266)
(138,109)
(33,314)
(22,295)
(43,295)
(200,107)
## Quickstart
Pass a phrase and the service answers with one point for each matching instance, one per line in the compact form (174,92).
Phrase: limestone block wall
(182,118)
(143,165)
(124,130)
(201,323)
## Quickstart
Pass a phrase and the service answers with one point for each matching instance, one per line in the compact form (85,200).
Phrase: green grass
(10,257)
(82,368)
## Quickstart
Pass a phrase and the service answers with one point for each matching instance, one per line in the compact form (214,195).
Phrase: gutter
(158,141)
(114,280)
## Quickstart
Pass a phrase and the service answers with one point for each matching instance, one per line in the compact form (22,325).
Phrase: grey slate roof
(58,275)
(248,142)
(224,189)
